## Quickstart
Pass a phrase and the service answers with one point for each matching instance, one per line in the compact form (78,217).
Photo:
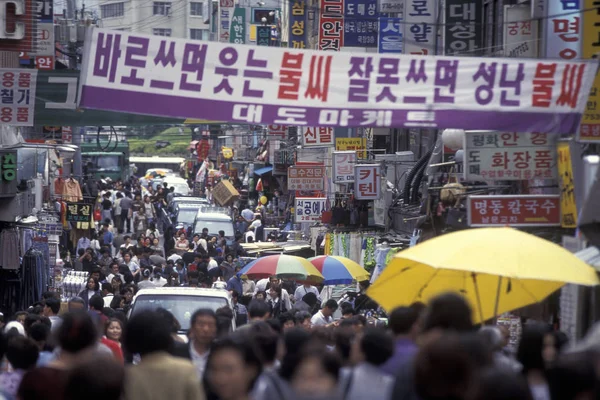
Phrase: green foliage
(146,146)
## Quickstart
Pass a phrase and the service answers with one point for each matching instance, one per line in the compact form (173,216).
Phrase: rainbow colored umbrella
(339,270)
(282,266)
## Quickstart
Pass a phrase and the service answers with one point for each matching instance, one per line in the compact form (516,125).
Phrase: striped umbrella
(282,266)
(339,270)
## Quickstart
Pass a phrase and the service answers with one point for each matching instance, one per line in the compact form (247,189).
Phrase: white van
(180,185)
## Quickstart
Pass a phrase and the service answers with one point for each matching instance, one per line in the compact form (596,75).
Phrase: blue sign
(360,23)
(297,24)
(390,35)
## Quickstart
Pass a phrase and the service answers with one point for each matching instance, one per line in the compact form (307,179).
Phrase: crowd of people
(428,352)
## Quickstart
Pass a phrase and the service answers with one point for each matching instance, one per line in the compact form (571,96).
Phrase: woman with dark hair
(118,302)
(536,352)
(232,369)
(277,305)
(113,334)
(92,288)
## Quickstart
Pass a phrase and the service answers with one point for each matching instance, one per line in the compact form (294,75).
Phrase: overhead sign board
(305,177)
(513,210)
(309,209)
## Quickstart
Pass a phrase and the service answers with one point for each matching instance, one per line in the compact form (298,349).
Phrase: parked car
(215,219)
(181,186)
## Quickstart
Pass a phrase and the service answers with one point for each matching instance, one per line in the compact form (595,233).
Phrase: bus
(143,164)
(110,160)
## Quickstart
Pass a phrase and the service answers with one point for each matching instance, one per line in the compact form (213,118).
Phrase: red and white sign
(331,25)
(305,177)
(367,182)
(17,96)
(317,136)
(520,32)
(514,210)
(509,156)
(67,134)
(277,132)
(44,62)
(343,166)
(309,209)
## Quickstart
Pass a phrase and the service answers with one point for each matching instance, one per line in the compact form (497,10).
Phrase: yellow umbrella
(496,269)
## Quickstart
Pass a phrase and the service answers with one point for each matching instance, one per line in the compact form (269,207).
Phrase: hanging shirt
(72,191)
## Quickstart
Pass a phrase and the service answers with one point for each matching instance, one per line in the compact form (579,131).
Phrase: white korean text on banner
(237,33)
(181,78)
(297,23)
(513,210)
(390,35)
(331,25)
(520,32)
(509,156)
(225,15)
(343,166)
(360,23)
(305,177)
(367,181)
(17,96)
(463,27)
(309,209)
(420,27)
(317,136)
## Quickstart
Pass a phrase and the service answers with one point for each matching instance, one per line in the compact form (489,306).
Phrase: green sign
(56,105)
(263,35)
(237,32)
(8,173)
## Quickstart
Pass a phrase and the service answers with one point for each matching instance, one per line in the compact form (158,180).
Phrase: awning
(262,171)
(591,256)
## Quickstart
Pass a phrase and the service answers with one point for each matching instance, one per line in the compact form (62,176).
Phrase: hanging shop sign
(520,32)
(391,6)
(367,181)
(317,136)
(513,210)
(237,33)
(78,212)
(18,24)
(420,27)
(311,88)
(17,96)
(277,132)
(226,8)
(590,124)
(509,156)
(354,144)
(343,166)
(566,183)
(297,25)
(390,35)
(563,29)
(331,25)
(263,35)
(309,209)
(43,50)
(305,177)
(8,173)
(360,23)
(462,29)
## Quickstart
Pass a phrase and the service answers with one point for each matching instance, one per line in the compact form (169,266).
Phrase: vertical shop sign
(263,35)
(237,32)
(297,24)
(520,32)
(17,96)
(462,30)
(225,13)
(8,173)
(317,136)
(360,23)
(390,35)
(590,123)
(367,181)
(420,27)
(563,28)
(343,166)
(566,183)
(331,25)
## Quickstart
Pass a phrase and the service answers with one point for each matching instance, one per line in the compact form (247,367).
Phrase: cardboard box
(224,193)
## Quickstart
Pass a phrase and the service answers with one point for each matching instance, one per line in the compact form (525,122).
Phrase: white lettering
(248,113)
(71,101)
(19,32)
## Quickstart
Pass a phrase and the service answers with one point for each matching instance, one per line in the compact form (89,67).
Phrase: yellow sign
(590,123)
(253,33)
(568,207)
(227,152)
(342,144)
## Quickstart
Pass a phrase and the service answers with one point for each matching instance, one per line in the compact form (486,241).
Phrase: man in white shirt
(203,329)
(305,289)
(174,257)
(325,316)
(212,263)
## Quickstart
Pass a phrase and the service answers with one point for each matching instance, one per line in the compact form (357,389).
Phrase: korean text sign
(367,181)
(463,29)
(305,177)
(360,23)
(509,156)
(297,24)
(17,96)
(390,35)
(343,166)
(263,35)
(309,209)
(513,210)
(171,77)
(77,212)
(225,14)
(353,144)
(237,32)
(563,29)
(317,136)
(566,183)
(590,125)
(331,25)
(420,26)
(520,32)
(8,173)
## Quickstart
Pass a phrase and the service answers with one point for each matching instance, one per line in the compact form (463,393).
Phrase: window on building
(197,34)
(161,32)
(162,8)
(112,10)
(259,13)
(196,9)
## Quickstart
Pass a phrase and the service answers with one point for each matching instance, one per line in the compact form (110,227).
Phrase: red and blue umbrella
(339,270)
(282,266)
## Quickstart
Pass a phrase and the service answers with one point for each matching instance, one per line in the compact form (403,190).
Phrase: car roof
(189,199)
(212,216)
(185,291)
(190,206)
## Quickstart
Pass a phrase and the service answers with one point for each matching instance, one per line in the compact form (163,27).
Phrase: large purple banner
(247,84)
